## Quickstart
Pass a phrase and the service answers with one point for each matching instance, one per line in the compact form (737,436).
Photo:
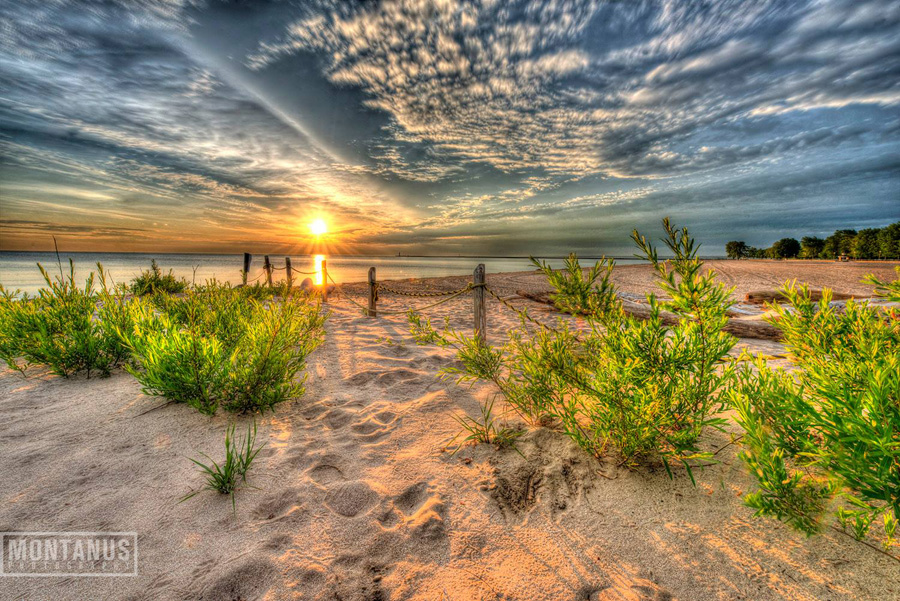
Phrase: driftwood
(742,328)
(759,297)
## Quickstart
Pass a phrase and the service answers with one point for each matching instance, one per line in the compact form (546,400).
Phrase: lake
(18,270)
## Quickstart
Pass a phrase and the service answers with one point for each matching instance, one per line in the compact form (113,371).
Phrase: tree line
(871,243)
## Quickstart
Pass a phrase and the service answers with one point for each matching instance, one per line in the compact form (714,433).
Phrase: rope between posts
(293,270)
(440,302)
(449,298)
(380,286)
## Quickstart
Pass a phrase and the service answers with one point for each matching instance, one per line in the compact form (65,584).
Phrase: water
(18,270)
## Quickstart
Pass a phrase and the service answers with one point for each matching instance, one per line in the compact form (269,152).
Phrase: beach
(358,494)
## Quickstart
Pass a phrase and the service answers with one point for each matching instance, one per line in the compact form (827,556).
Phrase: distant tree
(838,243)
(865,244)
(736,249)
(889,242)
(786,248)
(811,247)
(755,253)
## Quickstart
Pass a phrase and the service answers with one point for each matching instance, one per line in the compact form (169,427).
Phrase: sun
(318,227)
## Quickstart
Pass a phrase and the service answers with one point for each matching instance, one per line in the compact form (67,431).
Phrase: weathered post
(288,274)
(373,298)
(268,267)
(247,258)
(324,281)
(478,294)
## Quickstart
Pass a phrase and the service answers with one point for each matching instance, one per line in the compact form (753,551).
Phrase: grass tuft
(226,477)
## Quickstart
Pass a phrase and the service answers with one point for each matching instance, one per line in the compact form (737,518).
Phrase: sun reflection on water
(318,268)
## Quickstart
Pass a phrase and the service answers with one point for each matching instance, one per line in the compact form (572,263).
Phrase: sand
(357,497)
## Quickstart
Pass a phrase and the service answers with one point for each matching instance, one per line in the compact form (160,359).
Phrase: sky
(480,127)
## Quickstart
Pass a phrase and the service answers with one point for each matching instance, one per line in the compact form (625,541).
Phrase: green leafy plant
(10,337)
(826,438)
(888,290)
(113,315)
(225,478)
(175,360)
(153,280)
(636,386)
(579,292)
(216,348)
(58,328)
(486,430)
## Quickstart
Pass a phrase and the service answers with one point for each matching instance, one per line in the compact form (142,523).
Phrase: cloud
(520,85)
(440,114)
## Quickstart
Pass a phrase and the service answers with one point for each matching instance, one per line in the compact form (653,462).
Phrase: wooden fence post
(247,258)
(373,299)
(268,267)
(478,294)
(324,281)
(288,274)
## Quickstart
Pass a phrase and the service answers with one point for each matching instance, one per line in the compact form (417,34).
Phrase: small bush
(826,438)
(888,290)
(215,348)
(225,478)
(154,280)
(10,340)
(175,361)
(113,315)
(58,328)
(640,387)
(577,292)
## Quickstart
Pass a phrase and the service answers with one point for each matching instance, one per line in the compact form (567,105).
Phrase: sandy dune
(357,497)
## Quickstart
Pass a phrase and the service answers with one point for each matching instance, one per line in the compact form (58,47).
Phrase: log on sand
(742,328)
(758,297)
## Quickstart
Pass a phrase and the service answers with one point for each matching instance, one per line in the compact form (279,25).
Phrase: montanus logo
(68,554)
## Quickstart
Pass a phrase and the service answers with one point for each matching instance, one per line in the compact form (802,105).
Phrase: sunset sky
(444,126)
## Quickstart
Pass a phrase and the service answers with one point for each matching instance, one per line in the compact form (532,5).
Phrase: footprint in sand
(325,474)
(338,418)
(391,377)
(249,580)
(350,498)
(421,509)
(370,430)
(385,417)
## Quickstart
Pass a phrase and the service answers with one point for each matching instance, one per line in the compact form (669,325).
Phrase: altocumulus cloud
(454,125)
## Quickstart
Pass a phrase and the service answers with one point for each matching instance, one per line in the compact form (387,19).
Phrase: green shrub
(577,292)
(225,478)
(215,348)
(58,328)
(114,316)
(640,387)
(826,437)
(176,361)
(154,280)
(888,290)
(10,340)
